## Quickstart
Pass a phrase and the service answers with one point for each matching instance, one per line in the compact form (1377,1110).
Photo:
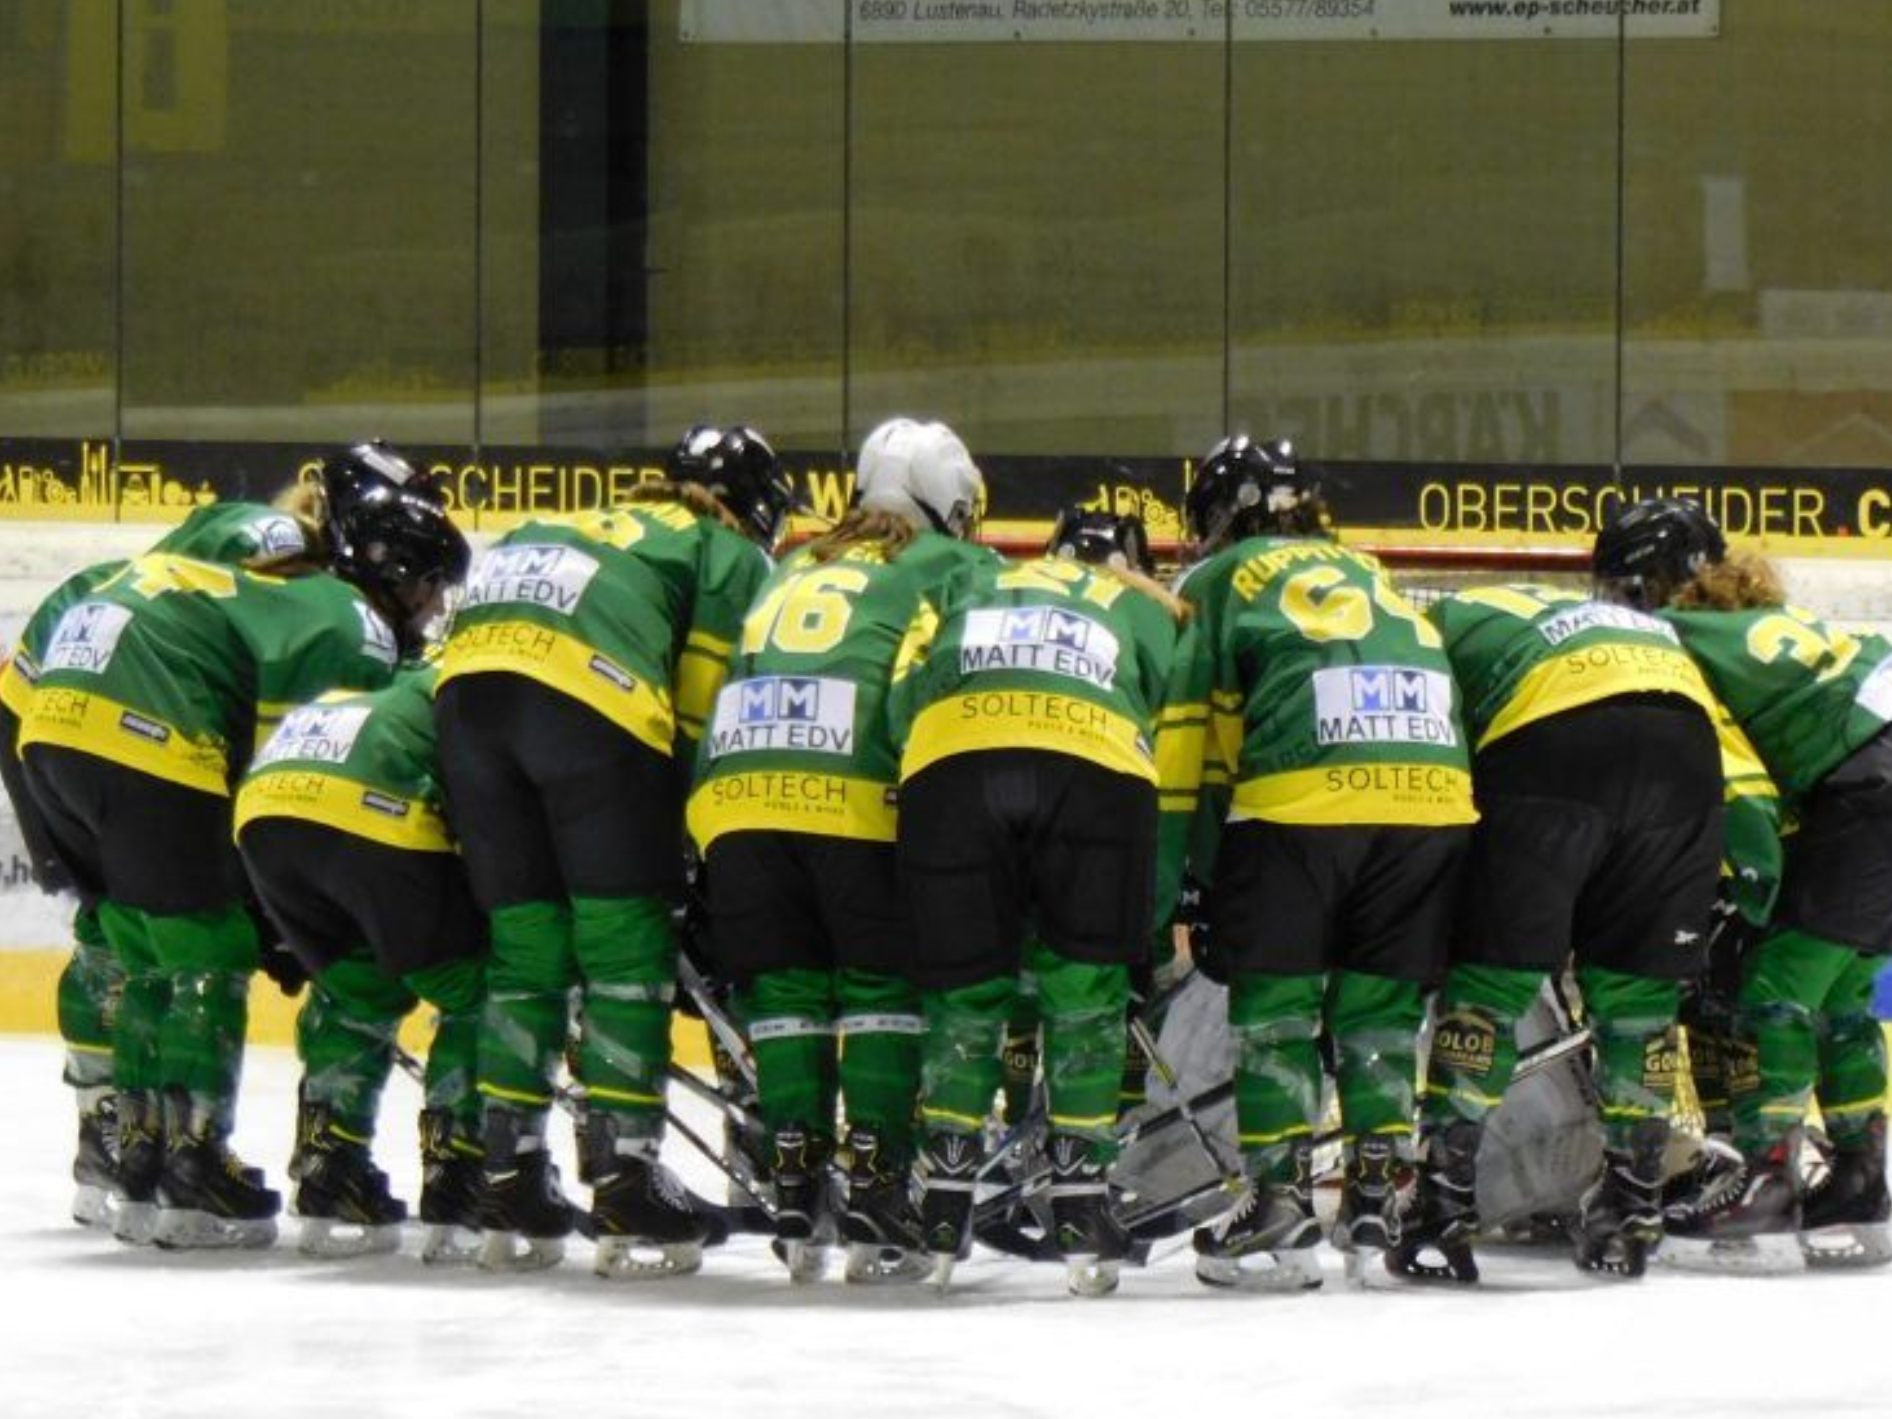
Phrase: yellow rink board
(29,981)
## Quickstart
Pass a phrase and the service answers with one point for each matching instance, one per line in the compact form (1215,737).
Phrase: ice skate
(451,1187)
(525,1216)
(1435,1233)
(881,1226)
(1368,1223)
(949,1171)
(207,1197)
(95,1163)
(1619,1221)
(341,1196)
(804,1220)
(646,1223)
(1087,1233)
(1846,1220)
(1269,1241)
(134,1202)
(1750,1227)
(1715,1172)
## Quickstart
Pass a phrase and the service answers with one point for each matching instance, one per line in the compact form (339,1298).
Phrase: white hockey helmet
(922,472)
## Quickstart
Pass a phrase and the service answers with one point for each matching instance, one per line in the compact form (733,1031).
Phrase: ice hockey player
(1322,722)
(143,713)
(290,537)
(581,669)
(1123,540)
(1028,813)
(341,825)
(794,809)
(1815,701)
(1599,786)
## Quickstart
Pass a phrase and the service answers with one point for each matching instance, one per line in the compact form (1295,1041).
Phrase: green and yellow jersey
(1317,695)
(1807,693)
(361,762)
(800,740)
(168,664)
(632,611)
(1048,654)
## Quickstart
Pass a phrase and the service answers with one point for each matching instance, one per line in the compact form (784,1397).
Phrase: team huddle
(916,827)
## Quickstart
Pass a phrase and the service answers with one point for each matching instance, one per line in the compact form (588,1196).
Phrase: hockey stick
(718,1023)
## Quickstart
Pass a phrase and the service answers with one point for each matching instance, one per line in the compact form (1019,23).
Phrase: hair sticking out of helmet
(922,472)
(739,469)
(1246,488)
(404,553)
(1102,539)
(1650,550)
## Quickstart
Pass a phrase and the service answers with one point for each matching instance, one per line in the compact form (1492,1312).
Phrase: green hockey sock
(208,956)
(1019,1055)
(1475,1044)
(1375,1022)
(1084,1005)
(525,1019)
(144,997)
(790,1017)
(1708,1032)
(89,989)
(1275,1021)
(1786,980)
(1852,1054)
(959,1070)
(627,951)
(880,1033)
(345,1039)
(1632,1024)
(457,991)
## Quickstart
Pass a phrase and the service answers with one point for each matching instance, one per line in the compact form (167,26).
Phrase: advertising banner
(1174,21)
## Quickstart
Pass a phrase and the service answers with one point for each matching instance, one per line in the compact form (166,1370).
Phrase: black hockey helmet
(738,466)
(353,471)
(1244,487)
(1102,539)
(1650,549)
(404,552)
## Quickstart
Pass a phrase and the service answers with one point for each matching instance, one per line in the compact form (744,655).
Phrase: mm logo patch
(1383,704)
(325,734)
(86,637)
(805,713)
(1039,638)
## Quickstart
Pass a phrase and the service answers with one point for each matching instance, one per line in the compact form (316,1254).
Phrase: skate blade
(331,1240)
(638,1259)
(1619,1258)
(871,1264)
(509,1251)
(448,1245)
(1432,1263)
(807,1261)
(1090,1276)
(1772,1254)
(1278,1271)
(940,1274)
(1847,1245)
(180,1229)
(134,1223)
(1365,1266)
(92,1206)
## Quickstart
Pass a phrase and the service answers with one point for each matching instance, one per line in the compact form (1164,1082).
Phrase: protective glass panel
(299,242)
(59,228)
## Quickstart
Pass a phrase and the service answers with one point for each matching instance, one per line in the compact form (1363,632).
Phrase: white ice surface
(89,1327)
